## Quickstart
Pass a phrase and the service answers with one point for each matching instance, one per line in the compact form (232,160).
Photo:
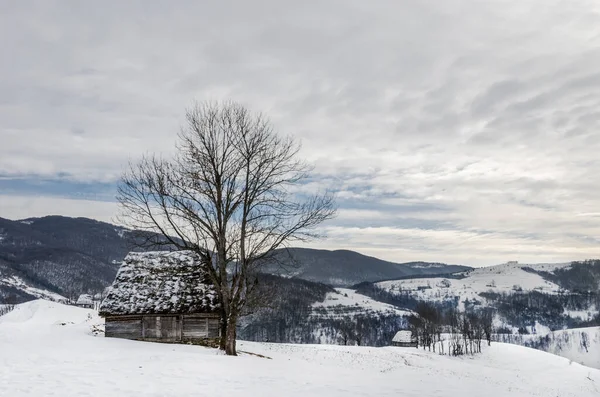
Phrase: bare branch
(228,195)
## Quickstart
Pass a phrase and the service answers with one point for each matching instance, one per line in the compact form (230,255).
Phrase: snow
(357,303)
(427,266)
(403,336)
(121,232)
(584,315)
(17,282)
(85,299)
(50,349)
(509,277)
(581,345)
(549,267)
(160,282)
(537,329)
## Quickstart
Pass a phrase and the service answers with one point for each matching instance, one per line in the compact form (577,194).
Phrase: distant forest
(285,313)
(289,317)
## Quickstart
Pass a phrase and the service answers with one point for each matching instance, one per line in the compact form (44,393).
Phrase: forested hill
(343,268)
(69,256)
(57,254)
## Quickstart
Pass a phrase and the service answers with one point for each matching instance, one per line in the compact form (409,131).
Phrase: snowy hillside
(581,345)
(48,348)
(69,256)
(510,277)
(72,256)
(13,282)
(345,301)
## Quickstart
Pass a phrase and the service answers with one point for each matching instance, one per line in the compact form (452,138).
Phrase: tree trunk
(223,324)
(230,339)
(225,304)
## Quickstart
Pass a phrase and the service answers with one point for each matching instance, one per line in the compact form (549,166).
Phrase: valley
(311,298)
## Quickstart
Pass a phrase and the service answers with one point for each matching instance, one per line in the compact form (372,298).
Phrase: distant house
(162,296)
(404,338)
(86,301)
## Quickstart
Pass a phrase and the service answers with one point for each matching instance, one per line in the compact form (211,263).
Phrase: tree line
(285,314)
(449,331)
(579,277)
(524,309)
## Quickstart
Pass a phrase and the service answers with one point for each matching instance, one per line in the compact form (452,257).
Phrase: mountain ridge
(69,256)
(346,268)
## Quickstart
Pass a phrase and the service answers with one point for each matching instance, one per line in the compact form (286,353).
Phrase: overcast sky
(454,131)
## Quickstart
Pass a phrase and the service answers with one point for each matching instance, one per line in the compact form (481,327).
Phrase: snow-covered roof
(85,299)
(161,283)
(403,336)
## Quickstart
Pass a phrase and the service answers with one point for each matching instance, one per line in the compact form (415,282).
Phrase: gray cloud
(460,130)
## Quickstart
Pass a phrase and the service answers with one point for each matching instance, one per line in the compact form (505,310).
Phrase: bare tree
(230,195)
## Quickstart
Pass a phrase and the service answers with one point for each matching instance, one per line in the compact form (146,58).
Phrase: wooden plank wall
(213,328)
(195,327)
(151,328)
(168,328)
(126,329)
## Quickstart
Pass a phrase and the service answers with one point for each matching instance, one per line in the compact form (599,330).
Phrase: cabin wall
(195,328)
(200,327)
(126,327)
(164,328)
(405,344)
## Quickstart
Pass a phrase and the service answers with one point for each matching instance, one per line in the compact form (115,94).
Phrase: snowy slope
(49,349)
(508,277)
(20,284)
(67,255)
(581,345)
(345,301)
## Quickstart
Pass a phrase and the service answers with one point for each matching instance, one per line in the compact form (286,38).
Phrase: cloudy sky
(463,131)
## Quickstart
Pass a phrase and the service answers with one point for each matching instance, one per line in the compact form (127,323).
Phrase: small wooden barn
(404,338)
(162,297)
(86,301)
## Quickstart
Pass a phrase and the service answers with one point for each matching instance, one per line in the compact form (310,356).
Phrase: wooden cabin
(85,301)
(162,297)
(404,338)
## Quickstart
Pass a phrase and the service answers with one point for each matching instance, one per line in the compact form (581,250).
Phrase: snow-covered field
(508,277)
(350,302)
(49,349)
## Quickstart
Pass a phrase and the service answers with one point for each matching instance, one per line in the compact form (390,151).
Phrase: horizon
(474,266)
(458,132)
